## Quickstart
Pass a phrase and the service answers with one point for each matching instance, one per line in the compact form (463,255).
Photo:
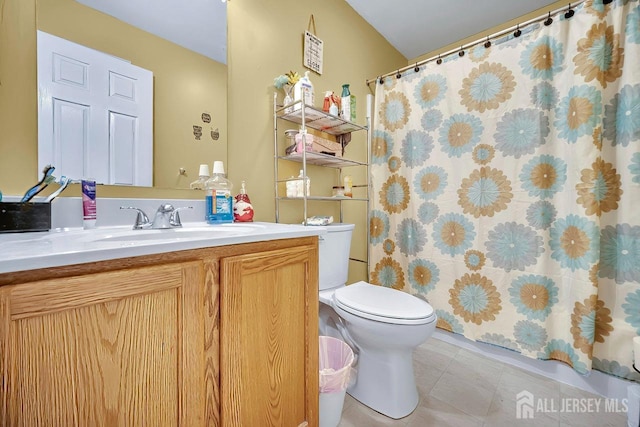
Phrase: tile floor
(459,387)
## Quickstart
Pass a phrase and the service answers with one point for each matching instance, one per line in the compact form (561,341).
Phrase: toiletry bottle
(303,89)
(347,186)
(199,183)
(336,100)
(219,202)
(327,101)
(333,105)
(242,208)
(348,102)
(89,211)
(352,107)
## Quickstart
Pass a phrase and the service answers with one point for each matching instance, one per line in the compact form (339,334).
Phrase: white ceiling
(413,27)
(417,27)
(198,25)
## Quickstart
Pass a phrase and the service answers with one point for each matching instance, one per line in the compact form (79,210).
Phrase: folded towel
(319,220)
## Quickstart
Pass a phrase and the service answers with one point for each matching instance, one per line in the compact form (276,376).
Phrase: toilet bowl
(382,325)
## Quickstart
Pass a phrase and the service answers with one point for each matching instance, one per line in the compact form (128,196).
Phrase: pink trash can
(336,358)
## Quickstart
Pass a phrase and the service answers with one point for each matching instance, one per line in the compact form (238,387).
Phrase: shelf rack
(307,116)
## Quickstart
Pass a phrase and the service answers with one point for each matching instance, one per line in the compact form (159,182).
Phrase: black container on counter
(16,217)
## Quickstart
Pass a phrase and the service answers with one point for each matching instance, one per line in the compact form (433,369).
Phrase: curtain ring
(398,75)
(439,61)
(517,32)
(416,69)
(548,21)
(487,44)
(461,53)
(569,13)
(381,80)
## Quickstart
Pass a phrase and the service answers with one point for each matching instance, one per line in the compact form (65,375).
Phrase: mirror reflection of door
(95,114)
(186,83)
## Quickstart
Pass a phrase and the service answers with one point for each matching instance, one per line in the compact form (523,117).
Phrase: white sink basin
(172,234)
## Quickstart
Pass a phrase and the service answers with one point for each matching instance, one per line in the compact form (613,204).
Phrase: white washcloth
(319,220)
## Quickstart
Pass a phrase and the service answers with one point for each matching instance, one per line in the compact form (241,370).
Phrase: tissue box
(322,145)
(18,217)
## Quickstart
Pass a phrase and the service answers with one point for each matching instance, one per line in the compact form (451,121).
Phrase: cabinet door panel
(105,349)
(97,363)
(269,341)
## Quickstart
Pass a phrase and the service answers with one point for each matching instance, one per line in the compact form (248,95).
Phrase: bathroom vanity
(106,328)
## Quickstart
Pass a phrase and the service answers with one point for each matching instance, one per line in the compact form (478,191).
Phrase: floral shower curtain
(506,188)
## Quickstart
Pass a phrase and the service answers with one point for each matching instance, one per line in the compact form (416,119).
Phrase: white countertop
(29,251)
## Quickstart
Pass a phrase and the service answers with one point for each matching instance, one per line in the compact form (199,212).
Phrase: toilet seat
(383,304)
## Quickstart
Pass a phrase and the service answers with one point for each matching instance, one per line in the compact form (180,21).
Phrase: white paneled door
(95,114)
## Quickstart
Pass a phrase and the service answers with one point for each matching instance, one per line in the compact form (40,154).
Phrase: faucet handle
(165,208)
(142,220)
(174,220)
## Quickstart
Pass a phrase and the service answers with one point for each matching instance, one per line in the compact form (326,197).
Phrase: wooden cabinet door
(269,338)
(121,348)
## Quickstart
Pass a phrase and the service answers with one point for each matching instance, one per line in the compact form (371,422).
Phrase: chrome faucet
(174,218)
(166,217)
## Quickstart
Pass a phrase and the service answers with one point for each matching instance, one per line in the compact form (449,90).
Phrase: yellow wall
(186,84)
(265,40)
(18,108)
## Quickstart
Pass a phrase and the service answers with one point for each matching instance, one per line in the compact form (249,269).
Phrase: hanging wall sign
(312,48)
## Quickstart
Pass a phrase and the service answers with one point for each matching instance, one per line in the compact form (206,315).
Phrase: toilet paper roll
(636,352)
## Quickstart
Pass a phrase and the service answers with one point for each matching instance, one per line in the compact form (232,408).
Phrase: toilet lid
(383,304)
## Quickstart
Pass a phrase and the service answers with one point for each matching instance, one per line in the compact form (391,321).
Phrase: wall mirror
(188,62)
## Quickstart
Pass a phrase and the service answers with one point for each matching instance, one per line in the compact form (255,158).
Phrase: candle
(636,352)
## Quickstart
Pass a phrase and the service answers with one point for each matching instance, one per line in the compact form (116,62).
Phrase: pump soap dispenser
(242,208)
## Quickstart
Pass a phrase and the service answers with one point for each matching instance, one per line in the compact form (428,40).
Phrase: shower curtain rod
(516,27)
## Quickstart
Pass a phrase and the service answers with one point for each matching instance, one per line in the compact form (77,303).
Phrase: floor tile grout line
(493,396)
(451,358)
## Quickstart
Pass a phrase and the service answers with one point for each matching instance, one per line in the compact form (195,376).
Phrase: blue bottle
(219,201)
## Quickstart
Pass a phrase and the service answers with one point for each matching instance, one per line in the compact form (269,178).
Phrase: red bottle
(327,101)
(242,208)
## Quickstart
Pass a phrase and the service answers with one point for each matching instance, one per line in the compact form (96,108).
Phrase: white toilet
(382,325)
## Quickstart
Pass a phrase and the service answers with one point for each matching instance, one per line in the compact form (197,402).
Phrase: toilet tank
(333,260)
